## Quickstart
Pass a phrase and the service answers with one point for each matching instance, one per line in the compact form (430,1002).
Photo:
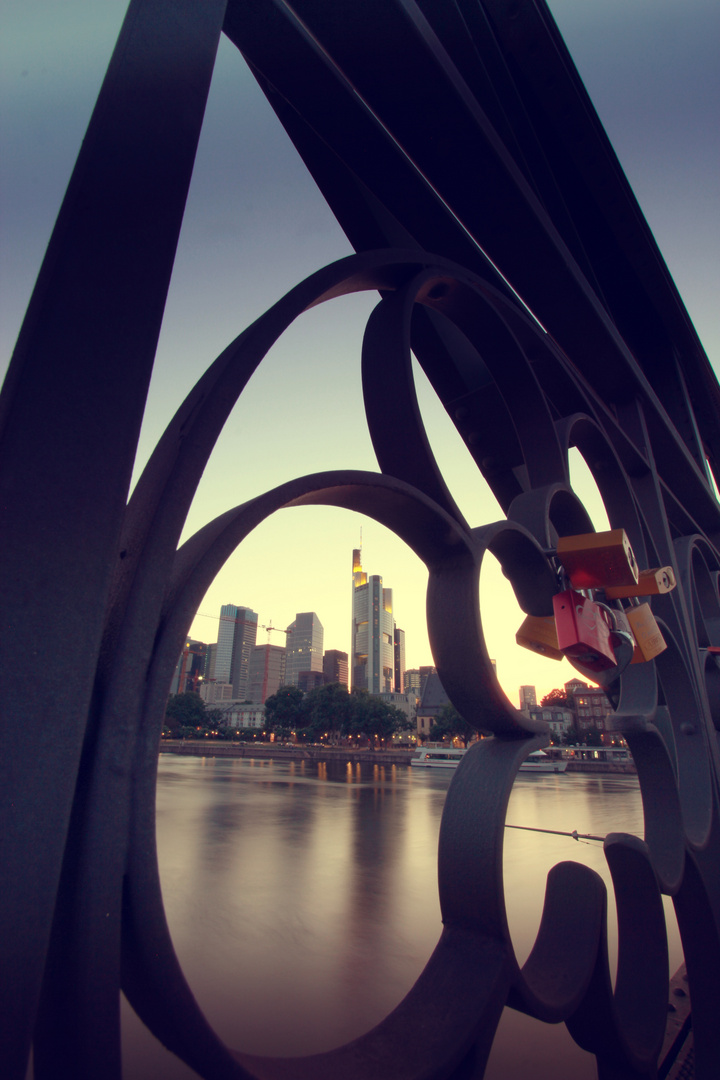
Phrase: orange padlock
(539,634)
(583,630)
(649,641)
(596,560)
(650,583)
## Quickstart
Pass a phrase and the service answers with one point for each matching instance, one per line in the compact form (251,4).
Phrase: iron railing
(499,163)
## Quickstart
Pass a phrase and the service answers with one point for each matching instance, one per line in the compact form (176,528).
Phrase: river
(302,898)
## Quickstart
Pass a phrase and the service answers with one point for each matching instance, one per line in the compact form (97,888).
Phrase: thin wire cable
(557,832)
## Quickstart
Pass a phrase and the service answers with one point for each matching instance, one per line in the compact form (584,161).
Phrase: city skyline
(255,225)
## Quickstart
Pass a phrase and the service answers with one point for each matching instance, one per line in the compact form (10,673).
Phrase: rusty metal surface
(81,911)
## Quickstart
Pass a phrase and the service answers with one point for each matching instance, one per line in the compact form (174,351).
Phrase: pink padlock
(583,630)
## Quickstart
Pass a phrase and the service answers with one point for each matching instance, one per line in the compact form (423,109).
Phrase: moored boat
(437,758)
(540,762)
(434,757)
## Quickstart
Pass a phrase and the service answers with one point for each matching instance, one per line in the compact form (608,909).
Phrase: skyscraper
(373,632)
(246,625)
(399,657)
(226,636)
(304,650)
(415,679)
(527,697)
(267,672)
(236,639)
(310,680)
(190,668)
(335,666)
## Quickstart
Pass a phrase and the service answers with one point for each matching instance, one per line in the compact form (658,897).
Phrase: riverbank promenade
(355,755)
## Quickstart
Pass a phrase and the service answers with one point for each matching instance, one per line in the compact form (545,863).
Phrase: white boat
(433,757)
(540,762)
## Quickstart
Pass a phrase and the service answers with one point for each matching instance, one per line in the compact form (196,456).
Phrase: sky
(255,225)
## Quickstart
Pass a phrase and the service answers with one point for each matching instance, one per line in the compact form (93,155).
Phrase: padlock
(650,583)
(583,630)
(622,639)
(620,619)
(623,645)
(649,641)
(596,560)
(538,633)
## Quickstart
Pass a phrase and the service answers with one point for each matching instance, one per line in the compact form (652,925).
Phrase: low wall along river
(341,754)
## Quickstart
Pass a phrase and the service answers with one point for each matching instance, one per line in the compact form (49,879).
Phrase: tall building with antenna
(373,632)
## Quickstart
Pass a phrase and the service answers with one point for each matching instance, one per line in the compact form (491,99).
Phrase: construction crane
(270,628)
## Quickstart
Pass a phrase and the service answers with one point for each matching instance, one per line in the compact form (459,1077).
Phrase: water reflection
(302,897)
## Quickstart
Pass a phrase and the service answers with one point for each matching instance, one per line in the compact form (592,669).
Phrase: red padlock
(583,630)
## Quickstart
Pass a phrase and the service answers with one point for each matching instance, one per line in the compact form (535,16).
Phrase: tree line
(325,713)
(188,717)
(330,712)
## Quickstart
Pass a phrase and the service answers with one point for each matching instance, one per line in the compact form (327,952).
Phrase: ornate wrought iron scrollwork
(520,397)
(157,593)
(624,1027)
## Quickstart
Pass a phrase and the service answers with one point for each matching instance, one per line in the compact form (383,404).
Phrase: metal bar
(69,417)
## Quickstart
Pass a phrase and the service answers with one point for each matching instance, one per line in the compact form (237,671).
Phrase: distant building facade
(190,668)
(591,707)
(214,692)
(335,666)
(399,658)
(414,680)
(434,700)
(210,658)
(237,634)
(528,697)
(373,633)
(304,650)
(240,715)
(310,680)
(246,626)
(226,637)
(266,672)
(401,702)
(559,720)
(411,683)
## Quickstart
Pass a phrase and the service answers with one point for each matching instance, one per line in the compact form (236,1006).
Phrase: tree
(374,718)
(186,715)
(284,711)
(328,709)
(592,737)
(214,719)
(560,699)
(450,722)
